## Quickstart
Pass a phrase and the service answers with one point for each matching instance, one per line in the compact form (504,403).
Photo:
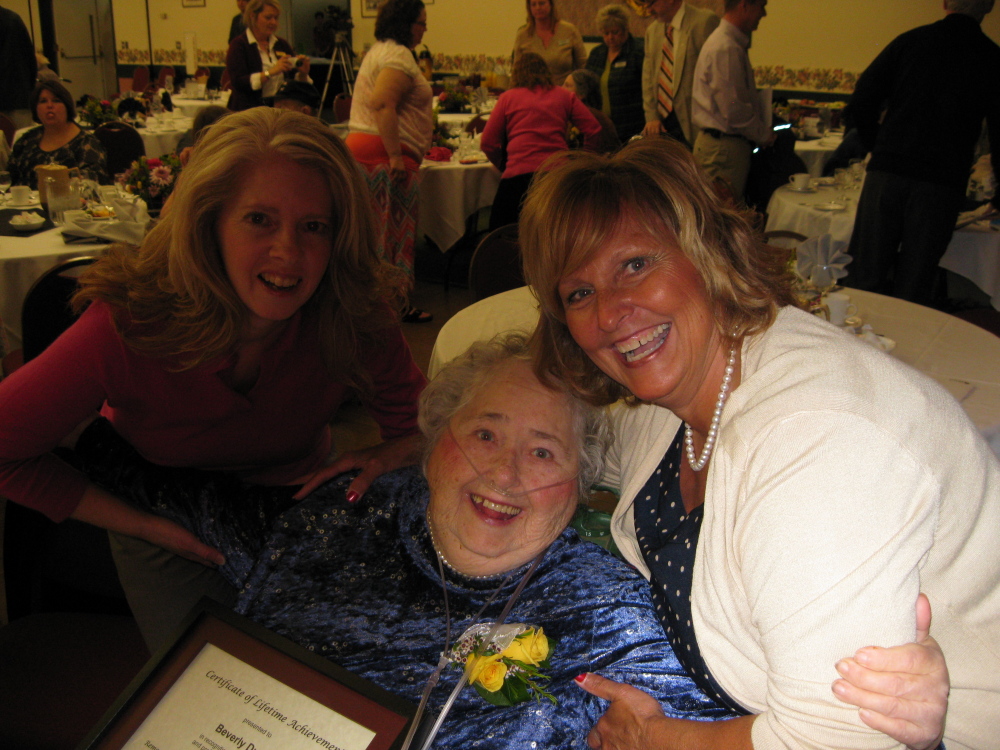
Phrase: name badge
(619,64)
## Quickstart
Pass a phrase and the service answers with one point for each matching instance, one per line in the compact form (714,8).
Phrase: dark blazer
(624,85)
(17,62)
(242,60)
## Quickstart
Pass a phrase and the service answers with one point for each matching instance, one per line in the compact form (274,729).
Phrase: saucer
(800,190)
(33,203)
(829,206)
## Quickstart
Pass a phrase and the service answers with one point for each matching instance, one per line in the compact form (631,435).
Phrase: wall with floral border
(806,45)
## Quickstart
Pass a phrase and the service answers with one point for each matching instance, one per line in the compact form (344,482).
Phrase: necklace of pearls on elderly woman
(713,429)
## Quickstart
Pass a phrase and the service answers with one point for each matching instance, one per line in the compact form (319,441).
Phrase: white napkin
(822,255)
(129,226)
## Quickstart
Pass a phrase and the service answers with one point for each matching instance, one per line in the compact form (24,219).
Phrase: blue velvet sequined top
(359,584)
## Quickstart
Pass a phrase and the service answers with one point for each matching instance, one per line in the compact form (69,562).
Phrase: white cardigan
(842,484)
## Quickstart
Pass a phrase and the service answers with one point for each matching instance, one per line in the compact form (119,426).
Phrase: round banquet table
(162,134)
(190,107)
(450,192)
(817,152)
(960,356)
(972,253)
(22,261)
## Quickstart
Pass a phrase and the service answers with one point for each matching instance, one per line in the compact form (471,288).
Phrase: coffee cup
(840,306)
(800,181)
(20,195)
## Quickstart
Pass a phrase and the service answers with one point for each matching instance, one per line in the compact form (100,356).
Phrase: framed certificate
(226,683)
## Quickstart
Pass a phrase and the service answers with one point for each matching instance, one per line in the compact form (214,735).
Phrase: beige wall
(845,34)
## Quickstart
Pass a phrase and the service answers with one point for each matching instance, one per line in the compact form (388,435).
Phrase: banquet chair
(68,643)
(122,143)
(341,108)
(496,264)
(7,128)
(140,78)
(161,78)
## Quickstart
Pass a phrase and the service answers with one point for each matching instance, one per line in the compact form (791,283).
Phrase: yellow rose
(488,671)
(532,647)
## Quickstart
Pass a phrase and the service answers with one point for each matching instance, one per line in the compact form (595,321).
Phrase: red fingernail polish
(581,677)
(352,496)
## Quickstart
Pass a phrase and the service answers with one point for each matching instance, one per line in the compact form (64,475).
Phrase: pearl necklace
(713,430)
(449,566)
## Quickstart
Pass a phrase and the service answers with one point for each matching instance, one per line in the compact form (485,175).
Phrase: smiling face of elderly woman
(503,475)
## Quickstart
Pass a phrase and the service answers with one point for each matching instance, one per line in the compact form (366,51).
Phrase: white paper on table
(222,702)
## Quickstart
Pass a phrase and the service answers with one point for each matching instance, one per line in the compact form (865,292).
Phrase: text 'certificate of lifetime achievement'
(222,703)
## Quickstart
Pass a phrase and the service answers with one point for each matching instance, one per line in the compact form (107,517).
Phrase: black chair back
(496,265)
(122,143)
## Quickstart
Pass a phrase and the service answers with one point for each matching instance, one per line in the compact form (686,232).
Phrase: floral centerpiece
(96,111)
(454,98)
(153,180)
(508,669)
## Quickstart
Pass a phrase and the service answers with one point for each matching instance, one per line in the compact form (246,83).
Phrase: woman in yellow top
(558,42)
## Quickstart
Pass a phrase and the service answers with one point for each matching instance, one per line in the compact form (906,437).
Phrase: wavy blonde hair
(255,8)
(651,187)
(173,294)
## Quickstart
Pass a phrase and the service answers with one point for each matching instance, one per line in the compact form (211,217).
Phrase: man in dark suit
(237,27)
(688,28)
(936,84)
(18,68)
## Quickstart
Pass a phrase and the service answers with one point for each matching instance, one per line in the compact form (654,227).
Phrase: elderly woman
(259,60)
(557,42)
(785,506)
(390,130)
(59,140)
(527,125)
(618,64)
(507,458)
(587,87)
(229,340)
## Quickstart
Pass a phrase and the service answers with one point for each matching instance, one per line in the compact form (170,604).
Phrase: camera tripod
(340,59)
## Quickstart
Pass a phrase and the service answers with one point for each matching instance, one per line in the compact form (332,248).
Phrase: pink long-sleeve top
(529,125)
(273,434)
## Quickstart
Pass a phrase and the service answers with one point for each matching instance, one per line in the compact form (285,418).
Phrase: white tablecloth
(164,135)
(190,107)
(450,192)
(817,152)
(22,261)
(962,357)
(972,254)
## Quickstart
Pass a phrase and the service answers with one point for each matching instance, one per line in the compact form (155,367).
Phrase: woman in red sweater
(227,340)
(526,127)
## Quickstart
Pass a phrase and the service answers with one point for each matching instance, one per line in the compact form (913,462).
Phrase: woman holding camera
(259,60)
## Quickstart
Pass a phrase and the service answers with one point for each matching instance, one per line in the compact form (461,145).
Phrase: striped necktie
(665,82)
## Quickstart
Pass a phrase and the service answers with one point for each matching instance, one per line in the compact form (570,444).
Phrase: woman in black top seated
(59,140)
(618,65)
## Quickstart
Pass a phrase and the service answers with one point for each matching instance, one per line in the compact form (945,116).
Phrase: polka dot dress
(668,538)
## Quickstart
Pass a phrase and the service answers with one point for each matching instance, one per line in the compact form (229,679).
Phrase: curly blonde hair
(580,202)
(174,297)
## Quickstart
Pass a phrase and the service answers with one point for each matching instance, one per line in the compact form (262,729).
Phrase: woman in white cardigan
(787,489)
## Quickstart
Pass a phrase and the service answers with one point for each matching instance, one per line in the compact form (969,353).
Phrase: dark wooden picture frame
(318,679)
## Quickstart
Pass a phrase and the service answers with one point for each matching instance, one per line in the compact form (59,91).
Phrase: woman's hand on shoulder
(902,691)
(373,462)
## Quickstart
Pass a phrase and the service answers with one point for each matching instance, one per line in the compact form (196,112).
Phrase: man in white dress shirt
(668,67)
(726,105)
